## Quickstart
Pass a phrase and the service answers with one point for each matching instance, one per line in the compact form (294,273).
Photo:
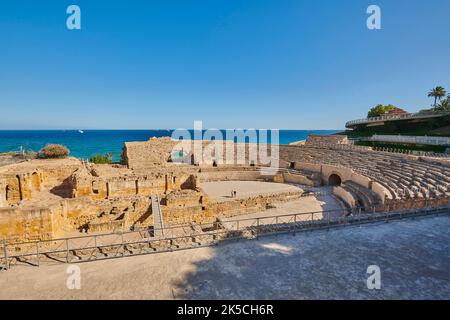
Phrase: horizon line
(167,129)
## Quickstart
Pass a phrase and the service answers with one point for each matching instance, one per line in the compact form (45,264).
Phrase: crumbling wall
(345,196)
(155,152)
(299,179)
(238,175)
(26,224)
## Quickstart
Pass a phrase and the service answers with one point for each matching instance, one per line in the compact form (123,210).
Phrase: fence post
(67,250)
(5,250)
(257,228)
(37,253)
(123,244)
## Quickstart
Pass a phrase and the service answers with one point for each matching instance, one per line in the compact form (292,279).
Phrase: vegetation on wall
(426,127)
(444,105)
(379,110)
(439,94)
(102,159)
(439,126)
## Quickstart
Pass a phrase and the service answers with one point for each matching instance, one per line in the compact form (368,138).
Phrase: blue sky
(251,63)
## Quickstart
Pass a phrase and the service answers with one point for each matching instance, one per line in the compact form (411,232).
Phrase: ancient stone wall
(299,179)
(155,152)
(382,192)
(29,224)
(159,152)
(222,209)
(242,175)
(345,196)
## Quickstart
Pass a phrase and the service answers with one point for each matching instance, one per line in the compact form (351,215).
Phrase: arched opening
(179,156)
(35,181)
(214,163)
(334,180)
(8,193)
(95,187)
(19,183)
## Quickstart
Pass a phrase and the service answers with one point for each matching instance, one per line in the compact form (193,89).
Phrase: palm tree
(445,104)
(437,93)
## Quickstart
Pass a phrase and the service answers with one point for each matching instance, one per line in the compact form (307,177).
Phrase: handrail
(417,115)
(236,229)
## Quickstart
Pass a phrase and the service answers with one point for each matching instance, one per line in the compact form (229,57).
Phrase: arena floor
(413,257)
(221,190)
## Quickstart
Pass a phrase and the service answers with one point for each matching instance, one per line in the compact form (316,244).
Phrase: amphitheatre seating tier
(395,172)
(364,197)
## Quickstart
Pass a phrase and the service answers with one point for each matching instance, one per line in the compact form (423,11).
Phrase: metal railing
(426,140)
(188,236)
(419,115)
(412,152)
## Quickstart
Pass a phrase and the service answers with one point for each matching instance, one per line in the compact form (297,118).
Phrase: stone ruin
(45,199)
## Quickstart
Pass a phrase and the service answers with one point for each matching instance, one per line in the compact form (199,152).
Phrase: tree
(379,110)
(53,151)
(445,104)
(437,93)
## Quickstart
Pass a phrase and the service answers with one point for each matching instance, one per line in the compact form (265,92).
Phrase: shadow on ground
(413,255)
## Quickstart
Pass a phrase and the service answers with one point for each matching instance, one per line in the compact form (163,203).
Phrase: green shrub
(53,151)
(379,110)
(102,159)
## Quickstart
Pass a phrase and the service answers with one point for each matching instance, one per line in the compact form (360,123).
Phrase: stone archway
(334,180)
(19,186)
(35,181)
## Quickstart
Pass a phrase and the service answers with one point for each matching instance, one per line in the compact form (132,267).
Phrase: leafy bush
(102,159)
(52,151)
(379,110)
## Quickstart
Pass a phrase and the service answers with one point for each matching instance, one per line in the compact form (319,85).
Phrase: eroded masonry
(160,185)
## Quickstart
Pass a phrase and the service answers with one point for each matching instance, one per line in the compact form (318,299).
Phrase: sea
(84,144)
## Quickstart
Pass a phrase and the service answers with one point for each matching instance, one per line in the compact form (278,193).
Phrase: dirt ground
(413,257)
(221,190)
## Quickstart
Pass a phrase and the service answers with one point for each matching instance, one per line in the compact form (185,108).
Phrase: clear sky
(299,64)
